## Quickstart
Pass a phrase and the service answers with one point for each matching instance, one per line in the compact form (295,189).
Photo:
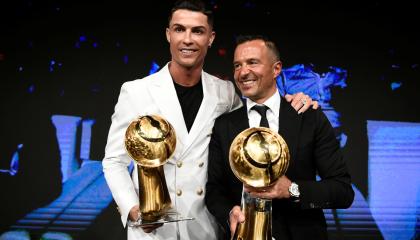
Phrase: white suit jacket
(156,94)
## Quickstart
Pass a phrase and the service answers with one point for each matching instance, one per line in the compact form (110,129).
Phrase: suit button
(201,164)
(179,192)
(179,164)
(200,191)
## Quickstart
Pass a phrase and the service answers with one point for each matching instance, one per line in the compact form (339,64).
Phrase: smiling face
(189,36)
(255,70)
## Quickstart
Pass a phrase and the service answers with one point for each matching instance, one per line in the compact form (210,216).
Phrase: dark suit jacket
(313,150)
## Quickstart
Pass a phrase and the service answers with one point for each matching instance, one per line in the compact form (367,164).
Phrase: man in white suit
(190,99)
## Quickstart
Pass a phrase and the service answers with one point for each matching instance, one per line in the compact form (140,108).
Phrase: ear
(213,35)
(277,68)
(168,37)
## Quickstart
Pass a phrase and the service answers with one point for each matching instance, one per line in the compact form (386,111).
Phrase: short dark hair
(193,5)
(270,44)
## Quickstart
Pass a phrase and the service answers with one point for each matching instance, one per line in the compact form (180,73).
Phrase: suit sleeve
(116,161)
(217,197)
(235,99)
(334,190)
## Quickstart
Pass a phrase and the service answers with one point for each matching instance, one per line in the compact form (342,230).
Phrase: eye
(198,31)
(178,29)
(236,66)
(253,62)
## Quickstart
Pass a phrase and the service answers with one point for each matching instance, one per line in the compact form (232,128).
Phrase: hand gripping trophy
(257,157)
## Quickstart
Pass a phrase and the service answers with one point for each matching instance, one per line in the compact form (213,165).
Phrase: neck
(266,97)
(183,76)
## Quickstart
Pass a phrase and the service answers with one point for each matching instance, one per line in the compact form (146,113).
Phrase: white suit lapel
(164,95)
(205,112)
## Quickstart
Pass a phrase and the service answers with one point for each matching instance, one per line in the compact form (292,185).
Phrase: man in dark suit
(298,199)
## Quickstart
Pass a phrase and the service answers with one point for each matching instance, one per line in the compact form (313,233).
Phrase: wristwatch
(294,192)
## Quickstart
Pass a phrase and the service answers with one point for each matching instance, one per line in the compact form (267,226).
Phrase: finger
(305,106)
(249,188)
(262,190)
(151,227)
(241,217)
(265,195)
(315,105)
(236,212)
(233,218)
(297,100)
(147,230)
(233,228)
(288,97)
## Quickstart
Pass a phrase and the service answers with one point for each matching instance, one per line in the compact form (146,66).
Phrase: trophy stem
(258,218)
(153,193)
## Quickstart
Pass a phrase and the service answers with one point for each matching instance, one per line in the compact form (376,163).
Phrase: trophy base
(168,217)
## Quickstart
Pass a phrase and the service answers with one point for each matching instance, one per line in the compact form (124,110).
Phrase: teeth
(249,82)
(187,51)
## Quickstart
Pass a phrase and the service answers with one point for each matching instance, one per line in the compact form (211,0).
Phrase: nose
(243,71)
(187,38)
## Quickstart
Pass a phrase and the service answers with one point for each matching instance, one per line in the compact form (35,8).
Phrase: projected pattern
(394,177)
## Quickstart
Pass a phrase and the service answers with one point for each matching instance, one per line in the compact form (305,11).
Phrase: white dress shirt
(273,104)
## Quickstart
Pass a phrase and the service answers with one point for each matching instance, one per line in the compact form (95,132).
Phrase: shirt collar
(273,103)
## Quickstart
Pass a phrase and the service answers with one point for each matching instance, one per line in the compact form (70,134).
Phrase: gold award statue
(150,141)
(258,157)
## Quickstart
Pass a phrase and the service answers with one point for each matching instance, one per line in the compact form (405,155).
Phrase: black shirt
(190,99)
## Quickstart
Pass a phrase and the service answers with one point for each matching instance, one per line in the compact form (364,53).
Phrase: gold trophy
(257,157)
(150,141)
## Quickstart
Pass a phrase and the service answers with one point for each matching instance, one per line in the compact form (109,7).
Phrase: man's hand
(301,102)
(134,213)
(151,227)
(280,189)
(235,216)
(134,216)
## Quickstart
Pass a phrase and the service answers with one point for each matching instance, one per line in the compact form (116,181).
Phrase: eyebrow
(195,27)
(249,59)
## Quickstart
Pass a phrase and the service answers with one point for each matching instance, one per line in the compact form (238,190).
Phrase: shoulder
(225,91)
(216,80)
(140,83)
(239,113)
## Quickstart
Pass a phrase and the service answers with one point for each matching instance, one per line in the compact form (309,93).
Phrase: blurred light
(20,69)
(125,59)
(82,38)
(249,5)
(95,45)
(31,89)
(221,52)
(213,4)
(155,67)
(95,88)
(395,85)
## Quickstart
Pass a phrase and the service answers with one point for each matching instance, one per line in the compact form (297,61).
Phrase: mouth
(187,51)
(247,82)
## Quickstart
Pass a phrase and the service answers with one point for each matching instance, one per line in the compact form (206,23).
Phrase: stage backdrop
(62,65)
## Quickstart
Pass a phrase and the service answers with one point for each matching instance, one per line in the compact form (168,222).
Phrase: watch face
(294,190)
